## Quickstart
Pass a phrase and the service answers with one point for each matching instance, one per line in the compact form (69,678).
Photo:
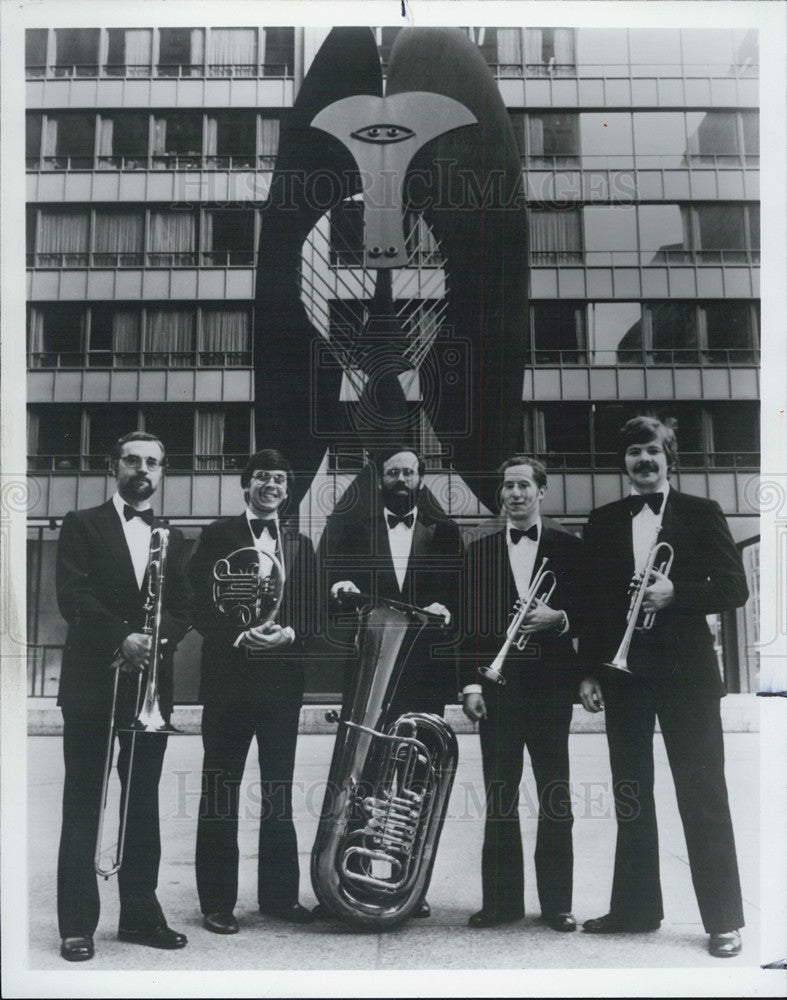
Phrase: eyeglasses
(136,462)
(395,473)
(279,478)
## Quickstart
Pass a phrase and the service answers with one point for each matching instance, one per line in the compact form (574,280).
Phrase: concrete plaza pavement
(441,942)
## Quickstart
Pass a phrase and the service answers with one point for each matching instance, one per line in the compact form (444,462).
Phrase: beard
(399,499)
(139,488)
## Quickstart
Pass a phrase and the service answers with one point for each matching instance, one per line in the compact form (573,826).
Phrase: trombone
(541,589)
(620,659)
(149,718)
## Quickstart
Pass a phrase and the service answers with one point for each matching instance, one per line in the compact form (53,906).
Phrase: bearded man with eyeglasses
(102,561)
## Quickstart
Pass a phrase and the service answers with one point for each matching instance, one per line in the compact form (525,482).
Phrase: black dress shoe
(223,922)
(77,949)
(560,921)
(159,936)
(492,918)
(293,913)
(610,924)
(423,910)
(726,945)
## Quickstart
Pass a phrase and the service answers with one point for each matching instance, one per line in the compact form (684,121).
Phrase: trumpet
(149,718)
(541,589)
(664,560)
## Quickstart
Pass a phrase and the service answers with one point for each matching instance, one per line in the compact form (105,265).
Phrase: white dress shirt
(645,528)
(400,541)
(137,534)
(522,557)
(264,543)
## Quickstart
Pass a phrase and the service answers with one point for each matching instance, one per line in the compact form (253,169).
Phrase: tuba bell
(388,785)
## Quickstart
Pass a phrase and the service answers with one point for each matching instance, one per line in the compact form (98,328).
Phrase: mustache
(646,466)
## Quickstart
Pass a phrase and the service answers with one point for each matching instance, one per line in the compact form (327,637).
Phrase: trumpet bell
(493,672)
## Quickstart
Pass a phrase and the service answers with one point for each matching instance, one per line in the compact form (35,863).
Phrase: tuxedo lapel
(624,543)
(289,544)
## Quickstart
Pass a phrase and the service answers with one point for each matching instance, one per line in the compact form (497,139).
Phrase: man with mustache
(102,558)
(251,688)
(402,549)
(674,675)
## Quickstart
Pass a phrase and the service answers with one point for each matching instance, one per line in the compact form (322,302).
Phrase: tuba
(388,786)
(149,718)
(661,553)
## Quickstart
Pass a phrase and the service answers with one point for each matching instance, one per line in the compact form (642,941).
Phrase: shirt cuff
(471,689)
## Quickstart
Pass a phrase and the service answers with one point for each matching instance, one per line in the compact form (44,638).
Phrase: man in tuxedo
(533,707)
(102,559)
(402,549)
(251,686)
(674,676)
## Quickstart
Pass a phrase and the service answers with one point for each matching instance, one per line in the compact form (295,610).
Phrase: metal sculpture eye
(383,134)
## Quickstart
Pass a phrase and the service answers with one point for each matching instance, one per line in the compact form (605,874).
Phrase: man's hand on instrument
(343,587)
(474,707)
(590,695)
(270,635)
(541,617)
(439,609)
(659,593)
(135,651)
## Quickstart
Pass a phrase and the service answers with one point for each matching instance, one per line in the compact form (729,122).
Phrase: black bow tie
(146,515)
(406,520)
(637,501)
(517,533)
(258,525)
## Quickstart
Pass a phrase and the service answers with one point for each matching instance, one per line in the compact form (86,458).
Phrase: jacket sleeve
(79,593)
(587,600)
(724,587)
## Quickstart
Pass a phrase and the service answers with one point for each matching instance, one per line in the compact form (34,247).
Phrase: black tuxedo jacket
(708,577)
(227,671)
(356,548)
(548,665)
(98,596)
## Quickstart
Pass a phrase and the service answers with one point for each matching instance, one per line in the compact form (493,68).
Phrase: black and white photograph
(393,498)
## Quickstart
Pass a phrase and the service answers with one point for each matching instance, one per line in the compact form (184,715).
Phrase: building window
(665,234)
(721,233)
(62,238)
(181,52)
(558,435)
(660,138)
(552,139)
(55,335)
(174,425)
(129,52)
(730,332)
(610,234)
(123,141)
(225,336)
(555,236)
(606,140)
(177,140)
(222,437)
(548,51)
(173,238)
(656,52)
(672,335)
(119,239)
(105,424)
(558,332)
(76,51)
(228,237)
(232,140)
(169,337)
(115,336)
(33,134)
(54,437)
(35,51)
(279,52)
(68,141)
(616,333)
(713,137)
(750,125)
(735,436)
(232,52)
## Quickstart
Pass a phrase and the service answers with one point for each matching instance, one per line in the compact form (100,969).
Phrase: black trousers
(228,727)
(692,732)
(518,718)
(84,751)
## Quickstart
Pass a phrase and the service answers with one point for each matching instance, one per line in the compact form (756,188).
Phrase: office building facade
(149,153)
